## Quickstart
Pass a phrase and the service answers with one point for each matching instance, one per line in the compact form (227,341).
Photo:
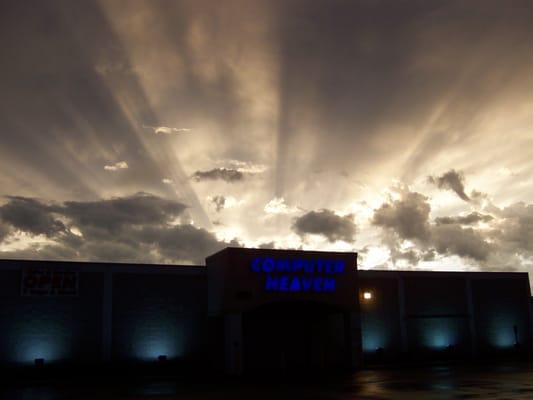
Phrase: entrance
(295,336)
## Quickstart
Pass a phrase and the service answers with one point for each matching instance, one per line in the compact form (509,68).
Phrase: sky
(162,132)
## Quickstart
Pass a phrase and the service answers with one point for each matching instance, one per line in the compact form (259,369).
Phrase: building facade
(251,309)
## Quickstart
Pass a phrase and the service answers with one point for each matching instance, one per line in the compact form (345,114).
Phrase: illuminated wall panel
(500,306)
(380,322)
(158,314)
(57,329)
(436,334)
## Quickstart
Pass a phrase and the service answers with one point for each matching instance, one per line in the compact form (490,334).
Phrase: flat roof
(14,264)
(366,273)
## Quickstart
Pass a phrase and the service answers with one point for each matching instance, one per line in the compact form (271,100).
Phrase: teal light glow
(158,337)
(51,343)
(500,331)
(375,334)
(440,333)
(46,348)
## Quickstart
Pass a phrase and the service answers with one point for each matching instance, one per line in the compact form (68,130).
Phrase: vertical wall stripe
(403,321)
(107,314)
(471,316)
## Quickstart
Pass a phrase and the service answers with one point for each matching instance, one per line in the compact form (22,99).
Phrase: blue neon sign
(298,275)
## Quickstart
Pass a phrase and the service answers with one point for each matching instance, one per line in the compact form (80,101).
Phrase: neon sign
(298,275)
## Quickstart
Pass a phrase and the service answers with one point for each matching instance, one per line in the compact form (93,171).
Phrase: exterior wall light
(367,295)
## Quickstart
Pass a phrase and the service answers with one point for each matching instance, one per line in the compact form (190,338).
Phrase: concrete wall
(380,317)
(432,315)
(163,314)
(139,312)
(119,313)
(436,314)
(53,328)
(499,308)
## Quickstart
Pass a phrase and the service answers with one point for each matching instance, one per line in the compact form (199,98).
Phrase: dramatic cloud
(337,102)
(225,174)
(32,216)
(138,228)
(326,223)
(117,166)
(451,180)
(464,242)
(140,209)
(410,256)
(182,242)
(167,130)
(408,216)
(470,219)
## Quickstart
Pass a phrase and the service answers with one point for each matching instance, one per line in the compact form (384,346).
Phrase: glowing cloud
(117,166)
(166,130)
(278,206)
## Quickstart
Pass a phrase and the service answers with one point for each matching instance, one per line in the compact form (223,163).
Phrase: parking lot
(511,381)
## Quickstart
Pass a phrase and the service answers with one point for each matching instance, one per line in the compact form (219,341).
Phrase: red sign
(49,282)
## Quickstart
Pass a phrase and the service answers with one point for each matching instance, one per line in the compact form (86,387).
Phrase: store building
(251,309)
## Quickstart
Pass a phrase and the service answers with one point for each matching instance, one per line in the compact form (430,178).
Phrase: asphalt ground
(504,381)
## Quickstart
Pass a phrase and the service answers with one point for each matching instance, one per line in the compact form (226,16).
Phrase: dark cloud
(267,245)
(183,242)
(225,174)
(137,228)
(326,223)
(464,242)
(218,201)
(117,251)
(140,209)
(5,230)
(55,252)
(391,239)
(429,255)
(411,256)
(451,180)
(470,219)
(32,216)
(408,217)
(516,228)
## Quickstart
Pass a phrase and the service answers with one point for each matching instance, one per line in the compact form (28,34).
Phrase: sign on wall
(49,282)
(297,274)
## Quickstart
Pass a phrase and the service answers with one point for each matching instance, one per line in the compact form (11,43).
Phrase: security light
(367,295)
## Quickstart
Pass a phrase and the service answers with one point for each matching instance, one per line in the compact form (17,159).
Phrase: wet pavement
(498,382)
